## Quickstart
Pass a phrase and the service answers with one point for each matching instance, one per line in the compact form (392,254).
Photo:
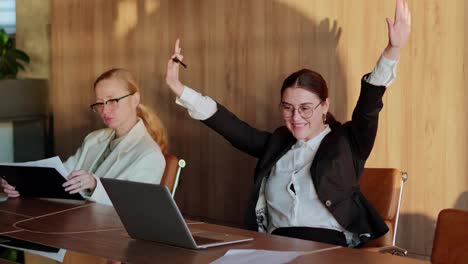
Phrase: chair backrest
(451,237)
(383,188)
(171,174)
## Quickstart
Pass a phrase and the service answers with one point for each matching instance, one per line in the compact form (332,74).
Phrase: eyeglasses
(306,110)
(111,103)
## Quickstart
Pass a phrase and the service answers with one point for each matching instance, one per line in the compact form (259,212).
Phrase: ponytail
(154,125)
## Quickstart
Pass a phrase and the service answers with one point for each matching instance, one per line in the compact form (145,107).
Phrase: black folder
(37,182)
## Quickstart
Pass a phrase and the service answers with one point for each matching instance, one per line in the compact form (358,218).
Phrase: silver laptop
(148,212)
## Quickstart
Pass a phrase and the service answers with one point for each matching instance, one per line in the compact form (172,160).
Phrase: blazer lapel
(114,159)
(105,169)
(94,152)
(326,150)
(276,150)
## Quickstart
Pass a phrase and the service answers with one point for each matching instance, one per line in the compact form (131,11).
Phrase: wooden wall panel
(33,36)
(239,51)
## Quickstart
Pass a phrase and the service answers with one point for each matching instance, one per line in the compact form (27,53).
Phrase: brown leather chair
(451,238)
(383,188)
(171,174)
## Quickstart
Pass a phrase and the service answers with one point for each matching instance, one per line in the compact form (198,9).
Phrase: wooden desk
(96,230)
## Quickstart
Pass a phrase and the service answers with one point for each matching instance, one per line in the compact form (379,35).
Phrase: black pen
(175,59)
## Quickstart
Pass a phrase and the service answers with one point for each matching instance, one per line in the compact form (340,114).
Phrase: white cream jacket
(136,158)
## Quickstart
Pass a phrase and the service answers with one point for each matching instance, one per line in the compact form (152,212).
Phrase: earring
(324,118)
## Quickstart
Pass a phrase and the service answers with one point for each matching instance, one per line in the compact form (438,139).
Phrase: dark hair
(311,81)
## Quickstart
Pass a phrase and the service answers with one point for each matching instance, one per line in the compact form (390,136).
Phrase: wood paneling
(33,36)
(239,51)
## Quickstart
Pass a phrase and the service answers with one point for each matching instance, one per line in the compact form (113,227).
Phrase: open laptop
(149,212)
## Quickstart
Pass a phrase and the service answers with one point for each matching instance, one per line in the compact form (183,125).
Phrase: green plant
(11,59)
(8,254)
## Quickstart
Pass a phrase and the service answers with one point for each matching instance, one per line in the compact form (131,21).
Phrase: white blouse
(290,193)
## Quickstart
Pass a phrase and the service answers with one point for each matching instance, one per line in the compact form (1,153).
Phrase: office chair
(383,188)
(171,174)
(451,237)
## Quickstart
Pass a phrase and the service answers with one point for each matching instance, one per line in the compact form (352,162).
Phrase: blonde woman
(130,148)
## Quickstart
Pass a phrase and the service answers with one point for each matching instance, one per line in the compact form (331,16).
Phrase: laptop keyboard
(204,240)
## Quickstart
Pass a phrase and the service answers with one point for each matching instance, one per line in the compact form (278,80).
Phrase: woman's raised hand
(172,75)
(398,30)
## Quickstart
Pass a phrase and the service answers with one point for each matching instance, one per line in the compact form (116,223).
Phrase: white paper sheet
(253,256)
(53,162)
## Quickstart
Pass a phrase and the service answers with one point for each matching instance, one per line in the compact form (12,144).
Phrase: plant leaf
(19,65)
(11,60)
(20,55)
(3,37)
(10,68)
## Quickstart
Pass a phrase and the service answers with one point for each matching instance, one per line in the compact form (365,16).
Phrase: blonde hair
(151,120)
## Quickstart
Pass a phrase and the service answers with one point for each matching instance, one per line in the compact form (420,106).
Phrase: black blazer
(336,168)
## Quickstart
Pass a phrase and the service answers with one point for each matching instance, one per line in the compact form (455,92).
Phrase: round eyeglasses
(111,103)
(306,110)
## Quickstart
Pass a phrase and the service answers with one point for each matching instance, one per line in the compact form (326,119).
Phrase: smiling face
(304,127)
(121,115)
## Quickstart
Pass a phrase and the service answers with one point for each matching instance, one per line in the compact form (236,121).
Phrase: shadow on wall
(238,52)
(411,238)
(419,241)
(240,55)
(462,201)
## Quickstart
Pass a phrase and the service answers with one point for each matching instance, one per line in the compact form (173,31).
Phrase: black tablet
(37,182)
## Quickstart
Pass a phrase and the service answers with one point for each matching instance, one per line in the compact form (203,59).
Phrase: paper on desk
(253,256)
(53,162)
